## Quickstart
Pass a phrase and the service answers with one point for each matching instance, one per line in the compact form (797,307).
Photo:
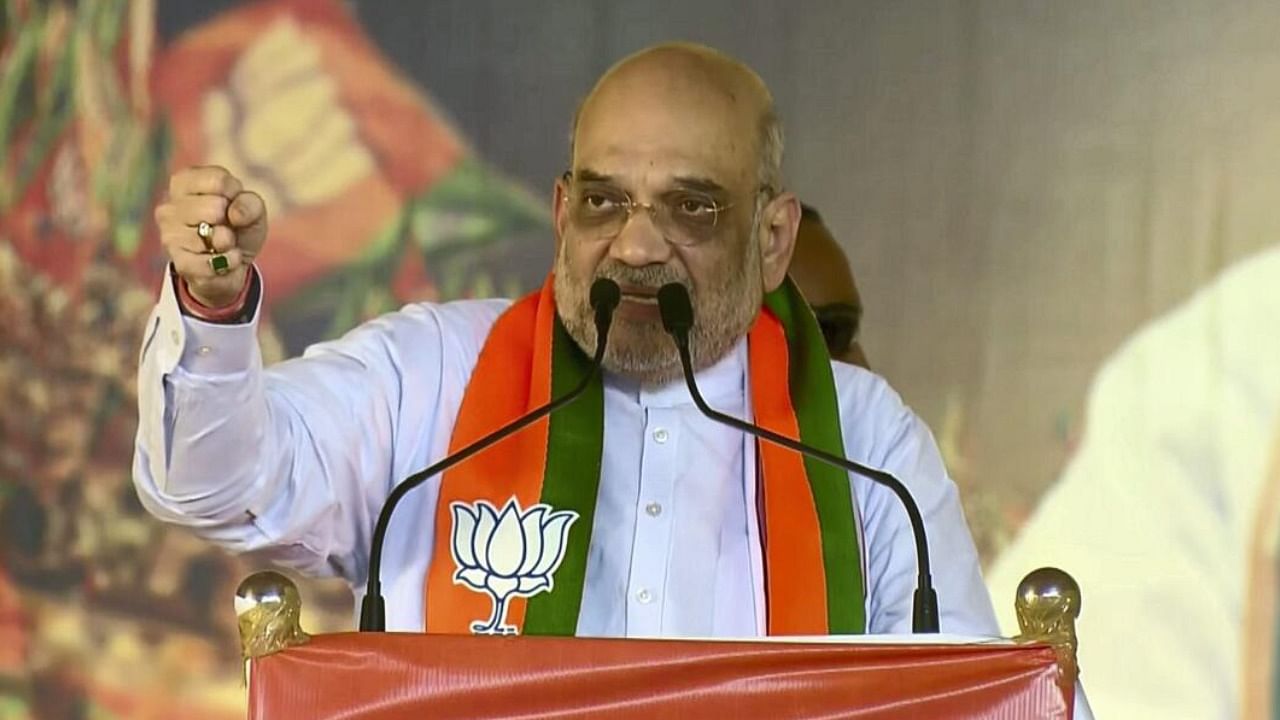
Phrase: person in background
(822,272)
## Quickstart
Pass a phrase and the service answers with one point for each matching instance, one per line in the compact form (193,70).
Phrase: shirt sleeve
(880,431)
(292,463)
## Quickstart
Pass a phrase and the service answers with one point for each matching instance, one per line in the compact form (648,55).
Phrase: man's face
(687,156)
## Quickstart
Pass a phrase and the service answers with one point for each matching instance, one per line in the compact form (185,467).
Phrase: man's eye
(599,202)
(695,206)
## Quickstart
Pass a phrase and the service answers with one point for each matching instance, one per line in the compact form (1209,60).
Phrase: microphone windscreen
(605,294)
(675,307)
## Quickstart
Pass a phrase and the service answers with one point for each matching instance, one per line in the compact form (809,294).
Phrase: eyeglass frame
(631,205)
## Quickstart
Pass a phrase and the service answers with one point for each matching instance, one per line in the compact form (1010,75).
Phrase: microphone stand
(677,319)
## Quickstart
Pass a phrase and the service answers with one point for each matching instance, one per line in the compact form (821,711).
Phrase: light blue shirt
(292,464)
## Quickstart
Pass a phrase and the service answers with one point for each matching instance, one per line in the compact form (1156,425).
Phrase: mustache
(649,276)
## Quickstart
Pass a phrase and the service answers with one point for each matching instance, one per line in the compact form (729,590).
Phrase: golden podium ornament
(1047,604)
(268,611)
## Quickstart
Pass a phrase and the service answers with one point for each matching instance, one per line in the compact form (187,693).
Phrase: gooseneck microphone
(677,319)
(605,296)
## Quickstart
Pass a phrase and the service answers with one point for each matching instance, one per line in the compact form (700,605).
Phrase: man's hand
(239,221)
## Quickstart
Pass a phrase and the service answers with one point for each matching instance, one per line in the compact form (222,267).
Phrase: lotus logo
(512,553)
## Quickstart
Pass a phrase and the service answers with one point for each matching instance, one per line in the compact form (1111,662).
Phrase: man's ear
(560,210)
(780,220)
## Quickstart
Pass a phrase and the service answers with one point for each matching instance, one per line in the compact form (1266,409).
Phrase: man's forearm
(202,414)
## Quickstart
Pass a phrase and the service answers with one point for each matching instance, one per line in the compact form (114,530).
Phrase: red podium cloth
(392,675)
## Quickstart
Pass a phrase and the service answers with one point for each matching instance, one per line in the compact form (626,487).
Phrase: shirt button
(660,435)
(644,597)
(204,350)
(654,509)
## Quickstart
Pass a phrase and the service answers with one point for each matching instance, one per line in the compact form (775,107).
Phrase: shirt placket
(651,552)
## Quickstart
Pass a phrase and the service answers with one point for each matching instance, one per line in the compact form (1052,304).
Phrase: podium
(393,676)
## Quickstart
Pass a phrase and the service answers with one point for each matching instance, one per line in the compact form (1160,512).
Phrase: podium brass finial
(1047,605)
(268,611)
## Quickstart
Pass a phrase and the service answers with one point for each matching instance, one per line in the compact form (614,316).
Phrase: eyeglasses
(684,217)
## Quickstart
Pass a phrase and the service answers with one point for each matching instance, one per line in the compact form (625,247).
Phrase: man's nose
(640,242)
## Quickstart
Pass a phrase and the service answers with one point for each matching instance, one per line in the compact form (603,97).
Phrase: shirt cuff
(241,310)
(199,347)
(218,349)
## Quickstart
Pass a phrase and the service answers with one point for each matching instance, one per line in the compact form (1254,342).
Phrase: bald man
(629,513)
(821,271)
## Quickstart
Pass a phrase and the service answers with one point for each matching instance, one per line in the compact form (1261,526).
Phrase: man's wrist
(240,309)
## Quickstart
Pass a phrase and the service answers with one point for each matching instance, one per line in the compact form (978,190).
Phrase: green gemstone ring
(219,264)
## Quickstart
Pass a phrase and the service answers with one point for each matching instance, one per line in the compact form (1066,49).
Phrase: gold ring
(205,231)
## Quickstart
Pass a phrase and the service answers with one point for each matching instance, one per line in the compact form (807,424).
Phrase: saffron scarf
(513,524)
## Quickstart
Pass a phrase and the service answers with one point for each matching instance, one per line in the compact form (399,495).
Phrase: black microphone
(605,296)
(677,319)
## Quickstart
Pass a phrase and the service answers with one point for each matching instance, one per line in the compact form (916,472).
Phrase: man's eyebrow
(589,175)
(701,184)
(684,182)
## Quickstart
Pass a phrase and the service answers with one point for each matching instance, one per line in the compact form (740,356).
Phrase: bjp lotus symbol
(512,553)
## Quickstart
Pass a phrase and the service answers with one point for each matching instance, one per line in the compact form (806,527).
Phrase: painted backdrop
(1023,188)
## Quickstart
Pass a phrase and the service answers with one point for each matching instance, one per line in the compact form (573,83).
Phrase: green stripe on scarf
(575,448)
(813,395)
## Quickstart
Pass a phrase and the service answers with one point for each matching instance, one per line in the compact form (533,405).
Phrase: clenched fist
(214,266)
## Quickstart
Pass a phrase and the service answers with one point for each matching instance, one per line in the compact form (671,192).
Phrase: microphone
(605,296)
(677,318)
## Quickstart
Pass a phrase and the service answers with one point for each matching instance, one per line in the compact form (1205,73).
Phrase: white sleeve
(882,432)
(293,462)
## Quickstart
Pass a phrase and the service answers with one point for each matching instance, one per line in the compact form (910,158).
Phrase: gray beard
(643,350)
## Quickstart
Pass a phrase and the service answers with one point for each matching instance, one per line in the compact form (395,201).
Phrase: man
(1167,515)
(629,513)
(822,273)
